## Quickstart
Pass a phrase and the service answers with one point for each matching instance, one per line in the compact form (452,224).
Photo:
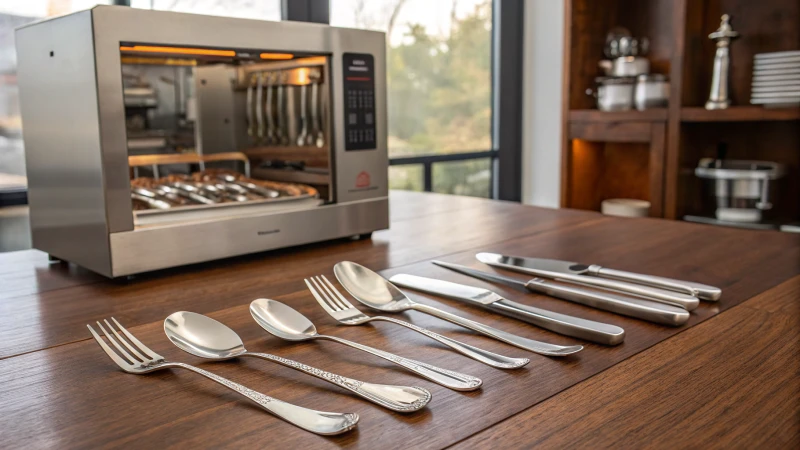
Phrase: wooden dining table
(729,378)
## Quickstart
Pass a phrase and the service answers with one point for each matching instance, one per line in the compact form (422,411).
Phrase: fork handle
(396,398)
(478,354)
(319,422)
(448,378)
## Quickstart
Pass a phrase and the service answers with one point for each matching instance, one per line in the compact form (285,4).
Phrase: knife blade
(598,332)
(633,307)
(579,273)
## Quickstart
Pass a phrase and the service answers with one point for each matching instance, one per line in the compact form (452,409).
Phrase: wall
(541,140)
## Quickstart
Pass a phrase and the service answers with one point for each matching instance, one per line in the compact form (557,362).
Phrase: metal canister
(652,91)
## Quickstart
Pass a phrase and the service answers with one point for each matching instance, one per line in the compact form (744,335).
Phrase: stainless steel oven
(156,139)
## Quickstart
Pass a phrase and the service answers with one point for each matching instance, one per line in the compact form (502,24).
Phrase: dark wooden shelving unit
(593,115)
(651,155)
(739,114)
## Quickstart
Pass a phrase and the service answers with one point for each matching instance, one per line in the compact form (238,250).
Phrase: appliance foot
(359,237)
(54,259)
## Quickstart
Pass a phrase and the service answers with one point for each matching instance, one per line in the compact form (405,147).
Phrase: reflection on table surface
(15,231)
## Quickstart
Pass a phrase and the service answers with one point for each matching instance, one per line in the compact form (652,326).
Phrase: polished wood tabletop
(729,377)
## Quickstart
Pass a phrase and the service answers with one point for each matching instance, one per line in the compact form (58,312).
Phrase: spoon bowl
(376,292)
(203,336)
(281,320)
(370,288)
(284,322)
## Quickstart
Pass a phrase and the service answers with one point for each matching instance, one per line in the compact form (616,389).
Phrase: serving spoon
(205,337)
(378,293)
(286,323)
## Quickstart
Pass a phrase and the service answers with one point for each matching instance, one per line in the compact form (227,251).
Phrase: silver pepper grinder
(719,98)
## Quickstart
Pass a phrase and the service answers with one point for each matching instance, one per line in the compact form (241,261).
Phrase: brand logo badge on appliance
(362,180)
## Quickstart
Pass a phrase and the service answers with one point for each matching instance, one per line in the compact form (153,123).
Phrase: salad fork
(138,359)
(344,312)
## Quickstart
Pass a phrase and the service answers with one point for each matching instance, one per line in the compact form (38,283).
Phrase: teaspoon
(205,337)
(378,293)
(286,323)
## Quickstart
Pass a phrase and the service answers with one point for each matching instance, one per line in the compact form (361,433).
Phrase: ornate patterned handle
(484,356)
(319,422)
(448,378)
(396,398)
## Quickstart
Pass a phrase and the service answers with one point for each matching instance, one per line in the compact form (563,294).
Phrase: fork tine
(125,343)
(116,345)
(145,349)
(121,362)
(342,299)
(319,298)
(329,294)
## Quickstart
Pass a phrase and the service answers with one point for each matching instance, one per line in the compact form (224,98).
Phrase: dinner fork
(344,312)
(138,359)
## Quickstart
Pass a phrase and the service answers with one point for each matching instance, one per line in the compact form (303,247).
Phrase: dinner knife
(680,294)
(633,307)
(598,332)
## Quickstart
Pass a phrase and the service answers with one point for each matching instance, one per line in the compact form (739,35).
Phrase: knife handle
(684,301)
(601,333)
(699,290)
(518,341)
(633,307)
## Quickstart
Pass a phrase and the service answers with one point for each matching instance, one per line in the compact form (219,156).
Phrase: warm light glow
(178,50)
(302,76)
(583,152)
(158,61)
(276,56)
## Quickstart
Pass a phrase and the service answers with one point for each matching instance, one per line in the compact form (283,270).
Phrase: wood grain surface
(60,390)
(732,382)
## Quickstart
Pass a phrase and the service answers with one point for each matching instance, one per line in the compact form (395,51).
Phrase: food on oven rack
(209,187)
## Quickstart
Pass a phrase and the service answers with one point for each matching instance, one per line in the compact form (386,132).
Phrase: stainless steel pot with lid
(613,93)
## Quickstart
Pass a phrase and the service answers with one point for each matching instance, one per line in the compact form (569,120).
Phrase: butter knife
(633,307)
(598,332)
(658,288)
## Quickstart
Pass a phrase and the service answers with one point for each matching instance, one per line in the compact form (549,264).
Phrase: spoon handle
(542,348)
(396,398)
(448,378)
(319,422)
(478,354)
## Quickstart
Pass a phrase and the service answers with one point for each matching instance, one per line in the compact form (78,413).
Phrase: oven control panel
(359,101)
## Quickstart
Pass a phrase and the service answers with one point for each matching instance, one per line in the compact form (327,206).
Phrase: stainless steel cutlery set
(655,299)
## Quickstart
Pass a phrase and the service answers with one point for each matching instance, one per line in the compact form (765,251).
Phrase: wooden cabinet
(614,155)
(651,155)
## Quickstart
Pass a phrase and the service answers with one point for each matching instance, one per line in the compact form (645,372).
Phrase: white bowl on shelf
(625,207)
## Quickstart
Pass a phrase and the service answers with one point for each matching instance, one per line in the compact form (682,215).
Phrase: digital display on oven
(359,101)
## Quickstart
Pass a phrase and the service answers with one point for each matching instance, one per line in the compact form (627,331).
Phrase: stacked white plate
(776,79)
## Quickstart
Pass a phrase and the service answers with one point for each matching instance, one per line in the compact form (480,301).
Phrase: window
(439,67)
(15,13)
(409,177)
